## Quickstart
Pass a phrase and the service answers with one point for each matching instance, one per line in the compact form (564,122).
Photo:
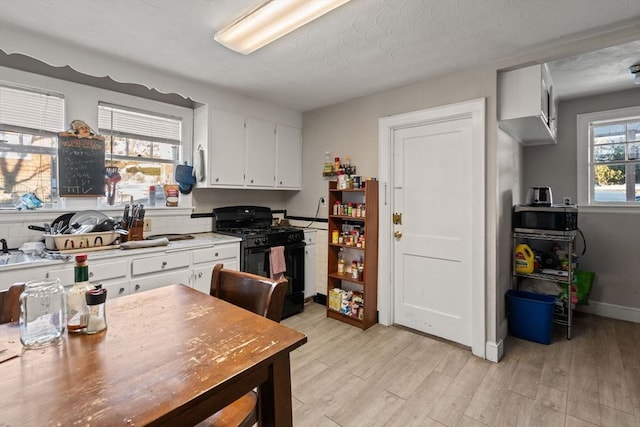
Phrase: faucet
(5,249)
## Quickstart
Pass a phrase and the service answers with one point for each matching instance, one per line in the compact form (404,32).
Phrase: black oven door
(256,261)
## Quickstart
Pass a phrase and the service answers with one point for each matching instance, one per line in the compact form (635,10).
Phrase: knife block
(135,233)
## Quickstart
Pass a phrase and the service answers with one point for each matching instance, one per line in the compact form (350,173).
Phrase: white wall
(613,238)
(351,127)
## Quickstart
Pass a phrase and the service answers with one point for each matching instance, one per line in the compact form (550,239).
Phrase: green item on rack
(583,281)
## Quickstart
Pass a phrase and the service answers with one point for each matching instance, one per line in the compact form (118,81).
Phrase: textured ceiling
(361,48)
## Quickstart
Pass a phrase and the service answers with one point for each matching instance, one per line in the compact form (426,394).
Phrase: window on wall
(29,122)
(609,158)
(143,146)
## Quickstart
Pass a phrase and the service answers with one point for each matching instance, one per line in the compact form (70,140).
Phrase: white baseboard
(629,314)
(494,350)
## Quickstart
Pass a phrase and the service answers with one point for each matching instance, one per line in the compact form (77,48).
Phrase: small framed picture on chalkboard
(80,162)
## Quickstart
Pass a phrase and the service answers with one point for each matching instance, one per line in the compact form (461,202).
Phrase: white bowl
(63,242)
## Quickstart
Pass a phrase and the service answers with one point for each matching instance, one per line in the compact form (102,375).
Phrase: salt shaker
(97,316)
(43,313)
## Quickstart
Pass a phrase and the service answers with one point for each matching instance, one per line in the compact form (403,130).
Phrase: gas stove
(253,225)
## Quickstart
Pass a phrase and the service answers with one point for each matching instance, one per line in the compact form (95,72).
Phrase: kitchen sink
(16,257)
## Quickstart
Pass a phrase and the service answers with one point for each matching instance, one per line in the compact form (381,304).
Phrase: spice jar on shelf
(341,262)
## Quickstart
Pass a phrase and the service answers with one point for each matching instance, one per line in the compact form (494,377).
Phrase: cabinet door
(226,150)
(310,271)
(201,279)
(116,289)
(289,157)
(156,264)
(261,147)
(10,276)
(152,281)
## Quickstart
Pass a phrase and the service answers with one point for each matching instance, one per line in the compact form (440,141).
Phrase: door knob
(397,234)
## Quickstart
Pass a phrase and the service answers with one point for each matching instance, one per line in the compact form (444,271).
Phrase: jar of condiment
(335,236)
(96,299)
(43,313)
(341,262)
(77,310)
(354,269)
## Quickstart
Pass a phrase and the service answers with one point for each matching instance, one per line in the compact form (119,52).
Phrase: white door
(432,275)
(436,183)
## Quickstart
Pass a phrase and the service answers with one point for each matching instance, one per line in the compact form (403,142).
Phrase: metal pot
(58,224)
(539,196)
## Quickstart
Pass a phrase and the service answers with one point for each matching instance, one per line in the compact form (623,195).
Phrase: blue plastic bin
(530,315)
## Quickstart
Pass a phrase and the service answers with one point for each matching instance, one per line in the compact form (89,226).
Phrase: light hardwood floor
(389,376)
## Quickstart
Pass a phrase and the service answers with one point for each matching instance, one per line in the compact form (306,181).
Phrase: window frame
(585,178)
(37,118)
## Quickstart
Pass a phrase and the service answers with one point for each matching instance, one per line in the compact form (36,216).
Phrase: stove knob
(257,242)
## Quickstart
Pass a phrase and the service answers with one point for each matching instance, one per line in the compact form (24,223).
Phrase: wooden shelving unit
(367,287)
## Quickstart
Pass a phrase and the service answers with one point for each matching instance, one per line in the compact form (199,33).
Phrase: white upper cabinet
(288,157)
(245,152)
(226,150)
(261,153)
(527,109)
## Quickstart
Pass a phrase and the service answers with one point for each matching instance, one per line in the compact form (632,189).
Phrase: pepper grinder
(97,316)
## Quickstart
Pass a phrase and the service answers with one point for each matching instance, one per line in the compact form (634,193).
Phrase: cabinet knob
(91,274)
(200,275)
(217,179)
(252,181)
(280,182)
(164,264)
(137,287)
(121,290)
(397,234)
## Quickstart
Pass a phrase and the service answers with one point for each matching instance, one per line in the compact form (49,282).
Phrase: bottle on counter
(77,310)
(96,299)
(152,195)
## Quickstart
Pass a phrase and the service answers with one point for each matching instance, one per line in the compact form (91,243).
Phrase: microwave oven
(558,220)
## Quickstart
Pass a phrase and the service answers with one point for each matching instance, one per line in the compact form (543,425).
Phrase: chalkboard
(80,166)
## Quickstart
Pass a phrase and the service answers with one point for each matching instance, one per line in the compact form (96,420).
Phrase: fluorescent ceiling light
(270,21)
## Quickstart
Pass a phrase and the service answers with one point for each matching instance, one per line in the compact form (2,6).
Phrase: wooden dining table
(170,356)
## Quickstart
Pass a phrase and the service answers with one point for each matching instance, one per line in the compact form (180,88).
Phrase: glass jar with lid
(43,313)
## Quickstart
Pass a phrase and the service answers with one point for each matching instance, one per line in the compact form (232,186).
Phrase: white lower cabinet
(160,270)
(126,274)
(112,275)
(152,281)
(8,278)
(205,259)
(165,262)
(116,289)
(310,263)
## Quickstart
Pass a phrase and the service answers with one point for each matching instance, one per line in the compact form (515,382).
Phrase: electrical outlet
(147,224)
(323,202)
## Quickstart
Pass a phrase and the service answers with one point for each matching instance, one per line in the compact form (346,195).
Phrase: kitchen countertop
(200,240)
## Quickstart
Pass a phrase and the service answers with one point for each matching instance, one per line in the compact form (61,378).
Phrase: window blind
(31,110)
(120,121)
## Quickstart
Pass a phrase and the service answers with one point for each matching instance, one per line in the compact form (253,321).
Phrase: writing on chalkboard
(80,165)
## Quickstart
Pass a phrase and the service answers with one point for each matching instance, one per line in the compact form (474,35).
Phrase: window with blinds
(29,122)
(143,145)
